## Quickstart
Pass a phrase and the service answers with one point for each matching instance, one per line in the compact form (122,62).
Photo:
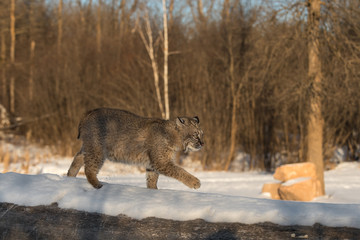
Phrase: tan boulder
(273,189)
(300,189)
(297,170)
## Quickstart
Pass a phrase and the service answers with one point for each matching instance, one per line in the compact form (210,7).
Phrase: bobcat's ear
(180,120)
(196,118)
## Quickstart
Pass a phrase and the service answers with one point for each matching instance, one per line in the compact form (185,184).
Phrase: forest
(242,66)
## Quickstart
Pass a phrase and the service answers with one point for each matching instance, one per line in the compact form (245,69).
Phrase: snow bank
(139,202)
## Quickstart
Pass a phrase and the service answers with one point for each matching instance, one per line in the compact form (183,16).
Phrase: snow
(295,180)
(223,196)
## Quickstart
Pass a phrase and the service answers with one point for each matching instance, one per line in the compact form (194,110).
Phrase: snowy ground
(223,196)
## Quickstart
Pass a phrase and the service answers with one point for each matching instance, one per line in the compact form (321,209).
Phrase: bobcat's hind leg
(77,163)
(93,163)
(151,179)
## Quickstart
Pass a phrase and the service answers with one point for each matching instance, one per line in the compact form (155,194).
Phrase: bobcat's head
(191,132)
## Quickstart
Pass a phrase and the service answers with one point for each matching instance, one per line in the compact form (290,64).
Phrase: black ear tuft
(196,118)
(181,120)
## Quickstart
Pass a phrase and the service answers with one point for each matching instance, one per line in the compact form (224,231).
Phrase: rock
(299,183)
(291,171)
(273,189)
(300,189)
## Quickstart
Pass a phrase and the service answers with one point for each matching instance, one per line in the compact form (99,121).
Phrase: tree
(234,86)
(59,44)
(12,56)
(166,55)
(32,50)
(3,59)
(315,123)
(149,45)
(98,39)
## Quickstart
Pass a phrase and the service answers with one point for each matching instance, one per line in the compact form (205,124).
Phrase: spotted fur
(122,136)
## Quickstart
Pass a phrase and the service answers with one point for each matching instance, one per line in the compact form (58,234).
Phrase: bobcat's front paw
(193,182)
(197,184)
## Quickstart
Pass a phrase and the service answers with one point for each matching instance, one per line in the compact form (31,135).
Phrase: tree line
(241,66)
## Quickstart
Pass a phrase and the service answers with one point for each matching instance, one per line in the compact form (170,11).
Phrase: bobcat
(122,136)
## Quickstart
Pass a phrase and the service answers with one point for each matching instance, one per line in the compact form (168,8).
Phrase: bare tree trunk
(12,56)
(171,9)
(31,74)
(166,55)
(122,17)
(234,95)
(60,26)
(88,17)
(201,15)
(253,135)
(235,89)
(32,50)
(82,17)
(125,16)
(59,43)
(200,18)
(233,132)
(3,64)
(315,121)
(149,45)
(98,40)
